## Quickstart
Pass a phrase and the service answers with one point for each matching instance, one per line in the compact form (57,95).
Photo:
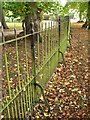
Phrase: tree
(26,10)
(82,8)
(87,23)
(88,15)
(79,7)
(2,18)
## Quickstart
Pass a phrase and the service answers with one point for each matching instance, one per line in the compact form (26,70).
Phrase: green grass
(18,25)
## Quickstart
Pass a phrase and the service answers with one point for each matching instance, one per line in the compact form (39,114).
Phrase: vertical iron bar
(6,62)
(66,26)
(18,70)
(68,30)
(49,47)
(16,114)
(31,101)
(19,114)
(17,57)
(45,41)
(59,51)
(33,57)
(8,111)
(42,44)
(51,38)
(38,50)
(1,88)
(27,74)
(7,75)
(53,28)
(59,28)
(24,106)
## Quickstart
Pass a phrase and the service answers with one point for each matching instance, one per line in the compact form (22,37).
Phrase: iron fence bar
(67,19)
(59,28)
(7,75)
(22,100)
(42,47)
(22,108)
(51,38)
(46,50)
(38,47)
(8,111)
(6,62)
(21,38)
(33,59)
(49,48)
(27,73)
(17,58)
(46,62)
(18,87)
(19,111)
(30,100)
(17,94)
(16,114)
(24,105)
(69,39)
(1,82)
(60,52)
(45,100)
(68,30)
(45,41)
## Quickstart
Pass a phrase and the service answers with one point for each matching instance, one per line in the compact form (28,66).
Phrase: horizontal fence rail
(27,65)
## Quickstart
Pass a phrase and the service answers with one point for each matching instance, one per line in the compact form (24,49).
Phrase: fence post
(34,68)
(59,51)
(33,58)
(68,24)
(1,37)
(68,29)
(59,20)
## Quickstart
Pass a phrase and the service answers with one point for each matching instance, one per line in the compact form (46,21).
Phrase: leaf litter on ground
(68,90)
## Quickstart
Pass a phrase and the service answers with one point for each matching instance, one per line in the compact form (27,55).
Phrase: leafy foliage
(24,8)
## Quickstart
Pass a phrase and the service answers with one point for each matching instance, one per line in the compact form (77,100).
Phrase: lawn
(18,25)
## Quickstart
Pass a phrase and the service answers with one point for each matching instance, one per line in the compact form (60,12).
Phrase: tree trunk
(88,15)
(3,22)
(2,18)
(36,21)
(35,15)
(27,23)
(80,13)
(36,26)
(80,18)
(87,23)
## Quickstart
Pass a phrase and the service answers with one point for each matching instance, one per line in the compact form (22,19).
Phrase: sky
(63,2)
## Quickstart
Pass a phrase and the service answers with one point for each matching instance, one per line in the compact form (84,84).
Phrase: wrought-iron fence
(27,65)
